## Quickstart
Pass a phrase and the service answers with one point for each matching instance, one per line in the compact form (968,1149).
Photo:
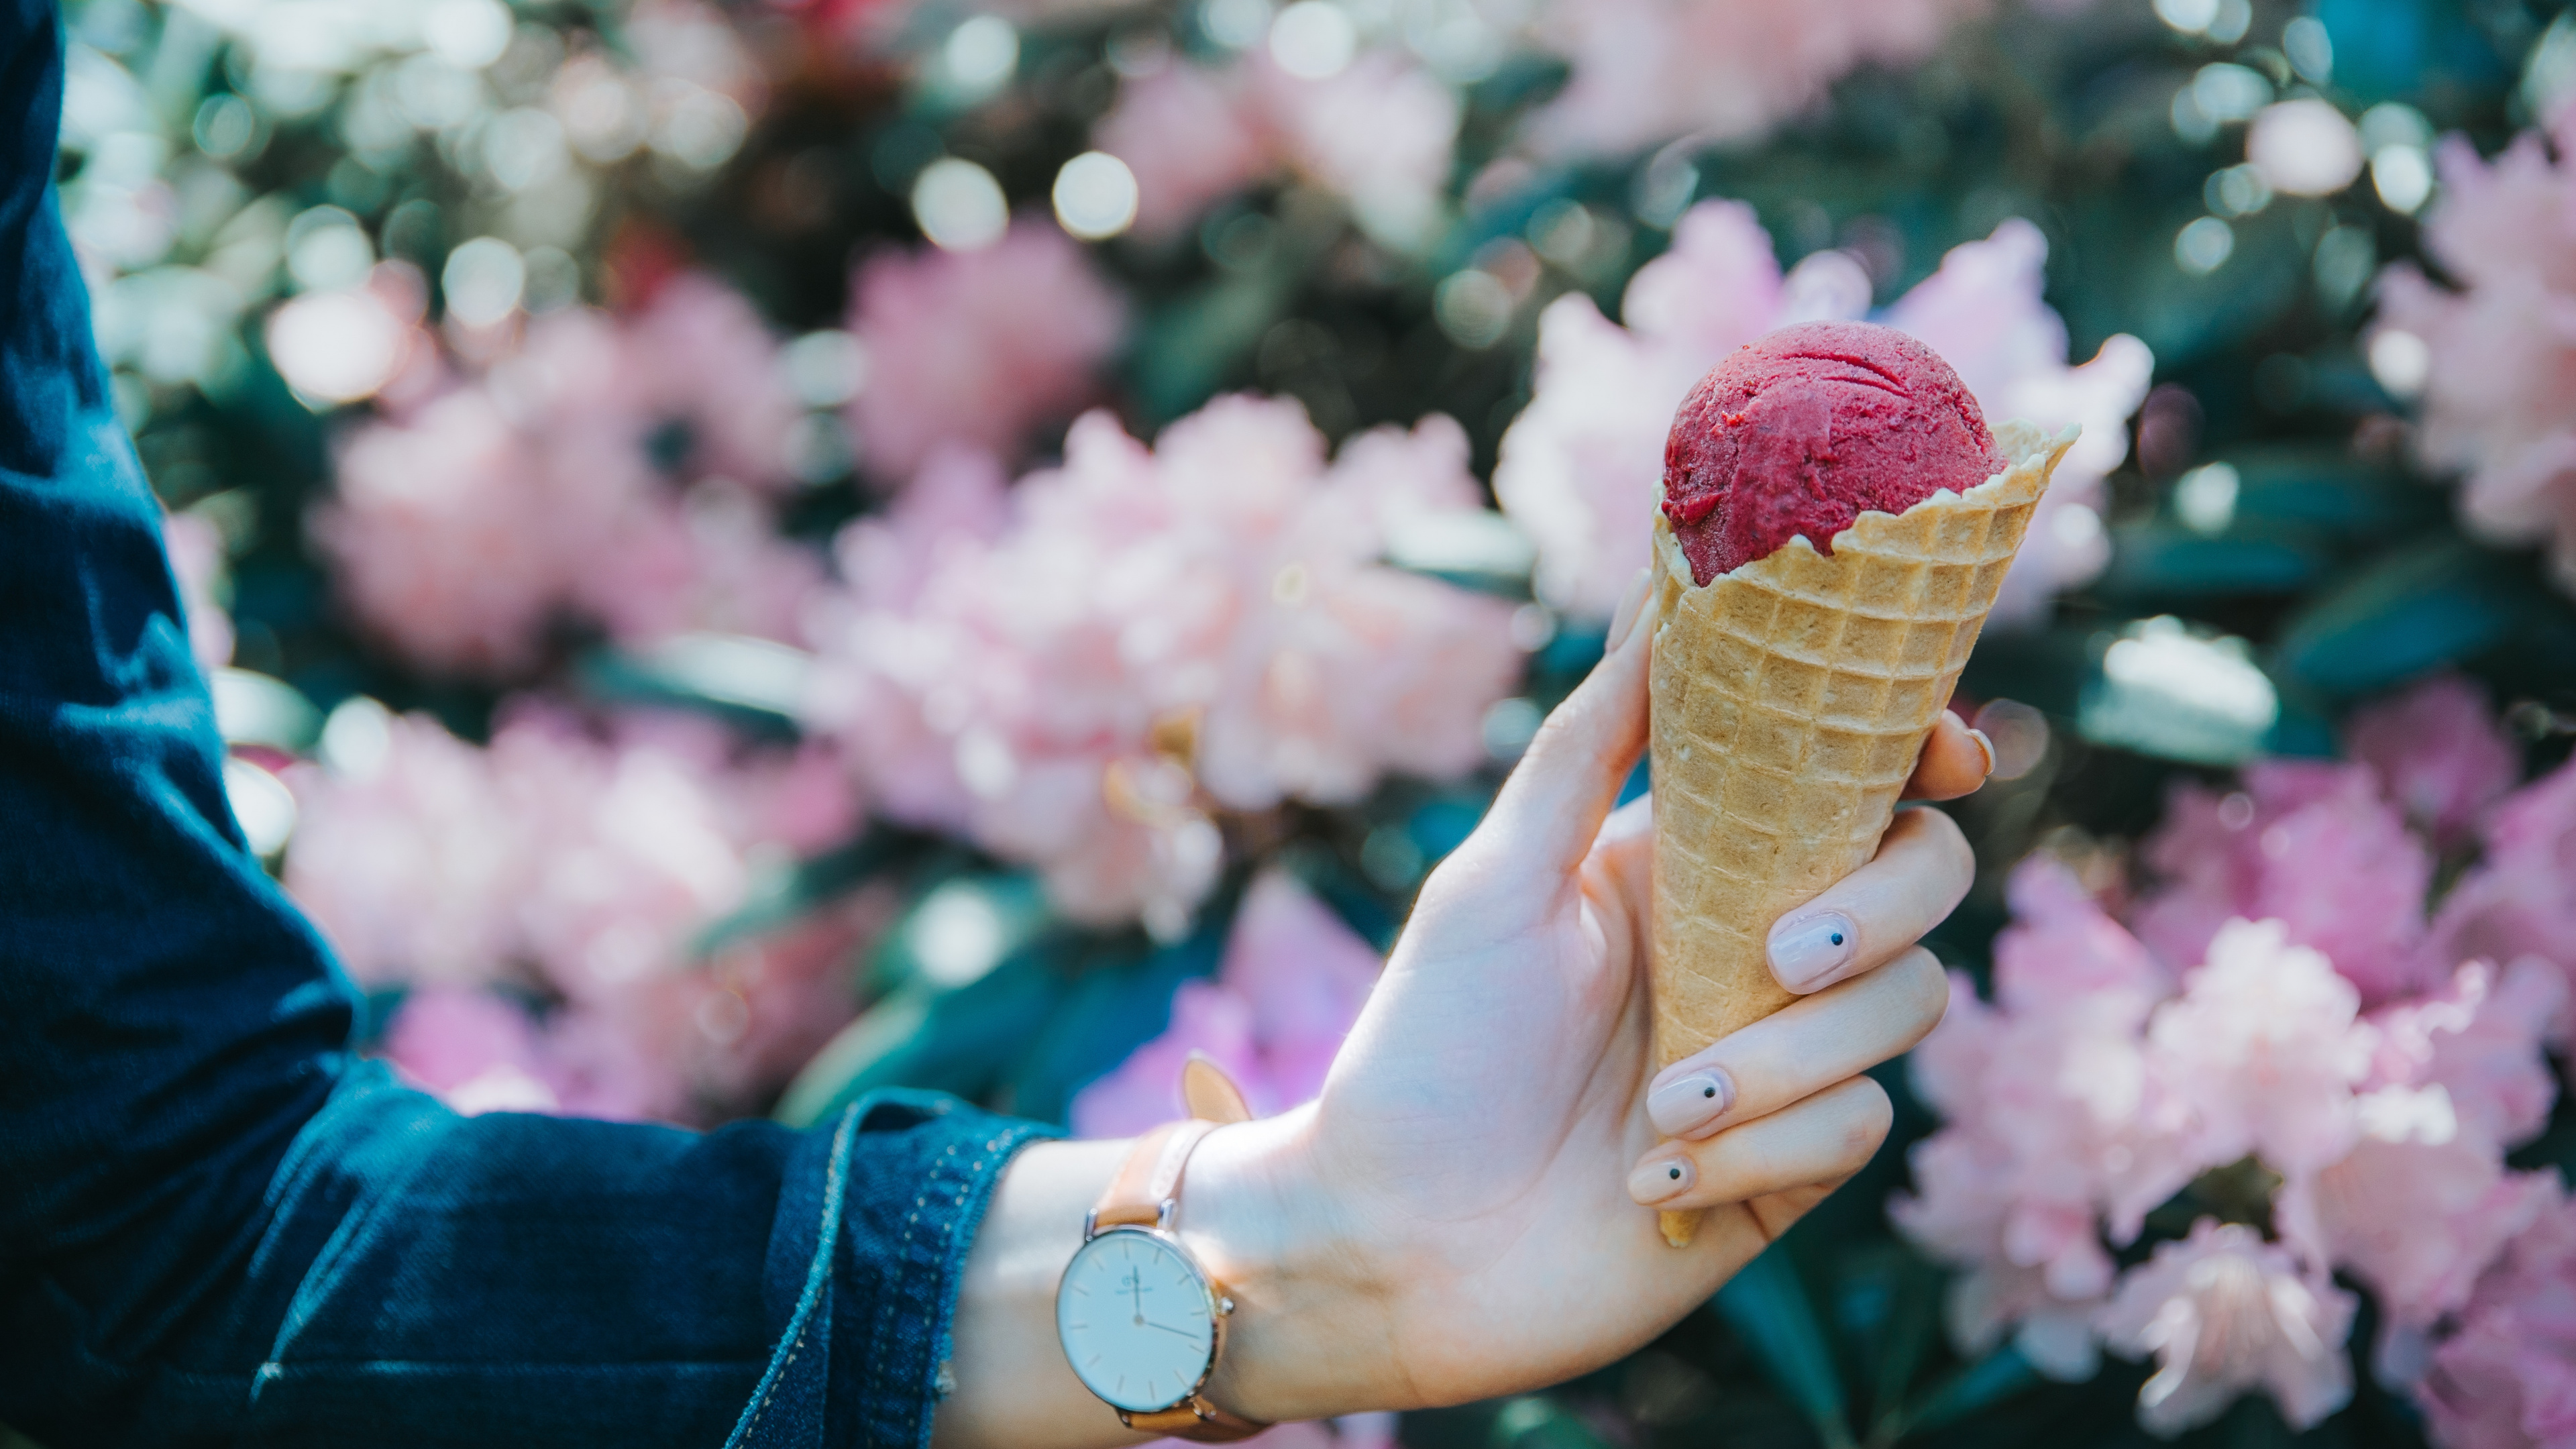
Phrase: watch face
(1133,1312)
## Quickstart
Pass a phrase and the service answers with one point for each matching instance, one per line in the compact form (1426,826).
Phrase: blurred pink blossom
(1647,71)
(407,861)
(2096,1085)
(706,363)
(977,348)
(1153,633)
(2424,1202)
(2439,752)
(465,525)
(1192,139)
(473,1050)
(2059,1118)
(2223,1311)
(2497,365)
(2507,1378)
(2516,902)
(196,549)
(2309,844)
(1292,982)
(2266,1046)
(1982,312)
(582,868)
(1380,133)
(1581,466)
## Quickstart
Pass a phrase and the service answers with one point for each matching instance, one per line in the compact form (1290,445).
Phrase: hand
(1466,1211)
(1463,1213)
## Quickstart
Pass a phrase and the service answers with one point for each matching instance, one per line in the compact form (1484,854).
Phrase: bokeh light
(1313,39)
(1095,196)
(959,205)
(483,280)
(2304,147)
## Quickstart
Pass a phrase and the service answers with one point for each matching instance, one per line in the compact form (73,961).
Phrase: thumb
(1546,815)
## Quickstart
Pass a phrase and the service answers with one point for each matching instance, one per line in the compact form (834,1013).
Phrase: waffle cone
(1791,698)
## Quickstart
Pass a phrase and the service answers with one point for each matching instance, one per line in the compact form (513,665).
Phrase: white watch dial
(1134,1314)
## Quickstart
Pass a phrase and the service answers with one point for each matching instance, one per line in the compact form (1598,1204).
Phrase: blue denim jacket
(218,1226)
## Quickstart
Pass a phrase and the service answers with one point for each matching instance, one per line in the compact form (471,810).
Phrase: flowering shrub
(2493,359)
(2273,1034)
(556,867)
(1080,677)
(614,473)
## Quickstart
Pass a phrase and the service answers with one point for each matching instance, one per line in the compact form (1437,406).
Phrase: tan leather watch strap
(1150,1177)
(1196,1420)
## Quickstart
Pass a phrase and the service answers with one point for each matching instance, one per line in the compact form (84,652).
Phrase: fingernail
(1632,607)
(1808,950)
(1683,1106)
(1659,1181)
(1984,744)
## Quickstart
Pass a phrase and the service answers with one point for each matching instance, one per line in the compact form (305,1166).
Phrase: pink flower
(2507,1378)
(2424,1203)
(1292,982)
(473,1050)
(2417,1210)
(2497,365)
(2265,1044)
(1157,632)
(2439,753)
(1982,312)
(2311,845)
(584,868)
(2224,1312)
(1380,132)
(1581,466)
(407,864)
(2480,1042)
(2516,902)
(1646,71)
(707,363)
(977,348)
(196,549)
(2055,1335)
(1192,139)
(464,527)
(2059,1117)
(430,541)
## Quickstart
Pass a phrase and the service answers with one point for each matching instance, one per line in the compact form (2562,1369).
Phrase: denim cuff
(872,1237)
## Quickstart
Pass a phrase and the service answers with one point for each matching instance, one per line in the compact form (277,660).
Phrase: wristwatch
(1141,1321)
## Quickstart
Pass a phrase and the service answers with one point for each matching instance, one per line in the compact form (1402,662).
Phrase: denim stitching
(817,1277)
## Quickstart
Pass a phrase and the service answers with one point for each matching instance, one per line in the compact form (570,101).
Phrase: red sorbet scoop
(1804,430)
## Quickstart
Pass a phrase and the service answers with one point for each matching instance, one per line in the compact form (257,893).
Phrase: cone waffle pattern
(1791,698)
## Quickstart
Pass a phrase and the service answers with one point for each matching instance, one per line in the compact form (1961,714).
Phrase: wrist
(1309,1334)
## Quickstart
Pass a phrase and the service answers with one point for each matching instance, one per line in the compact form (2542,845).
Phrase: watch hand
(1167,1328)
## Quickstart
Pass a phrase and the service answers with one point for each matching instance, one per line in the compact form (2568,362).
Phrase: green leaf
(1538,1422)
(1988,1381)
(1767,1305)
(2154,564)
(2416,608)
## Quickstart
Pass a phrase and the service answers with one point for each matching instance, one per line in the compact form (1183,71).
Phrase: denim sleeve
(216,1226)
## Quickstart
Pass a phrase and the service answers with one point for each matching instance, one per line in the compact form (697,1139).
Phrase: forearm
(1305,1340)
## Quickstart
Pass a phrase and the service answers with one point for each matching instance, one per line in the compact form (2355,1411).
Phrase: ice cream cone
(1791,697)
